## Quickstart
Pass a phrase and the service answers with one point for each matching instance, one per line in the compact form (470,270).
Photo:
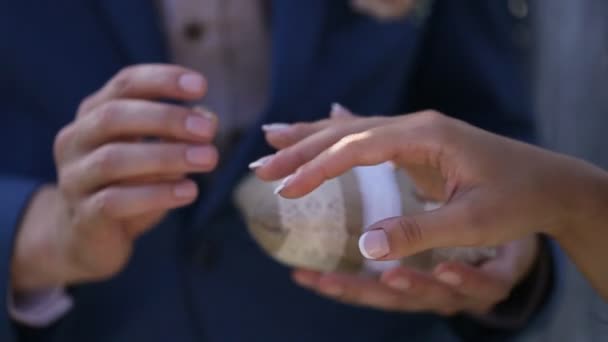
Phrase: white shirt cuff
(39,309)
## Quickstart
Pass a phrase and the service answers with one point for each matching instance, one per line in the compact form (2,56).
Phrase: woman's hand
(451,288)
(494,189)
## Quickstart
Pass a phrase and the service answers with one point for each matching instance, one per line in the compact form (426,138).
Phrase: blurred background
(570,52)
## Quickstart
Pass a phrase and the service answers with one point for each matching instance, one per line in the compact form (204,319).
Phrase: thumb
(402,236)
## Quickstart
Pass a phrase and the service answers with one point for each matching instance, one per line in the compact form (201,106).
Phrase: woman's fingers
(291,158)
(281,135)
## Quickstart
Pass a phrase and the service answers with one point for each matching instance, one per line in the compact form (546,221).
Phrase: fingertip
(450,278)
(305,278)
(339,112)
(186,190)
(281,190)
(374,244)
(277,140)
(192,84)
(261,162)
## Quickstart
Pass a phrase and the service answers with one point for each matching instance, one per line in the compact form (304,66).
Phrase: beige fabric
(320,231)
(317,227)
(351,260)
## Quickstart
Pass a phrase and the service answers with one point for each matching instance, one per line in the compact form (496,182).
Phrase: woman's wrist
(586,208)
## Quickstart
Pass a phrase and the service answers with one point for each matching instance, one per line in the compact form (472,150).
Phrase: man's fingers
(149,81)
(123,162)
(122,119)
(128,201)
(475,283)
(424,287)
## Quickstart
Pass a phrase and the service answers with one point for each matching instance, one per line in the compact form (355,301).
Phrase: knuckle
(173,119)
(62,140)
(431,116)
(106,115)
(103,203)
(293,155)
(85,105)
(410,232)
(350,142)
(437,124)
(123,81)
(66,181)
(104,161)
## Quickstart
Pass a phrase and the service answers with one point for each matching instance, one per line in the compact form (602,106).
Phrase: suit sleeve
(473,65)
(15,194)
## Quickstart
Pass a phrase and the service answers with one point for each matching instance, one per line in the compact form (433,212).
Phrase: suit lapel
(135,25)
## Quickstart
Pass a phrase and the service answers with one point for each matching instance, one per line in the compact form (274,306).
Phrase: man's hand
(122,164)
(451,288)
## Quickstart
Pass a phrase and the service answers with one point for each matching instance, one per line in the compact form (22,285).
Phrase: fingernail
(305,281)
(333,290)
(400,283)
(338,111)
(283,184)
(184,190)
(260,162)
(198,125)
(374,244)
(206,113)
(275,127)
(198,155)
(450,278)
(192,83)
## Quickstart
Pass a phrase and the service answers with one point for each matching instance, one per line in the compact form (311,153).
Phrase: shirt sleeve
(15,194)
(39,309)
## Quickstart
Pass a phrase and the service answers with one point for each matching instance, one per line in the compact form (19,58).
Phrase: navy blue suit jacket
(198,276)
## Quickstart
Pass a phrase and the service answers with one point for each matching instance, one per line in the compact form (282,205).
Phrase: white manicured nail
(450,278)
(260,162)
(185,190)
(400,283)
(275,127)
(339,111)
(374,244)
(205,112)
(283,184)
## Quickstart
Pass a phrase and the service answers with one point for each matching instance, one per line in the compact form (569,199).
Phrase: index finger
(149,81)
(290,158)
(370,147)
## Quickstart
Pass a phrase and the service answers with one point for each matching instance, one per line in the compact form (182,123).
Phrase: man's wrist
(36,262)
